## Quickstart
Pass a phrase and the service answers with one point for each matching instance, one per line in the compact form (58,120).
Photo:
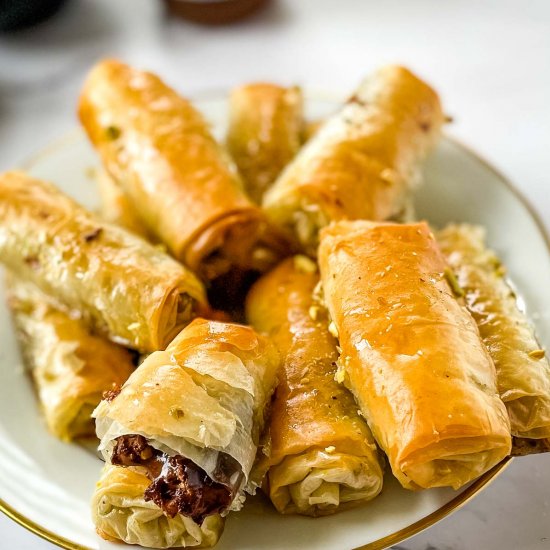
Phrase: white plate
(46,485)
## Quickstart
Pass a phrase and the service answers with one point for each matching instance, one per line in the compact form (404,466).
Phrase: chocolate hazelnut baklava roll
(322,455)
(190,418)
(181,182)
(523,371)
(363,161)
(412,354)
(116,282)
(265,132)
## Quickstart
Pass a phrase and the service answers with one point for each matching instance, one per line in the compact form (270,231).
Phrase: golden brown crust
(311,412)
(159,148)
(206,394)
(265,131)
(412,354)
(363,161)
(523,370)
(122,286)
(310,409)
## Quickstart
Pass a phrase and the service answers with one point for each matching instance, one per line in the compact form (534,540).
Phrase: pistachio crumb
(176,413)
(453,283)
(537,354)
(112,132)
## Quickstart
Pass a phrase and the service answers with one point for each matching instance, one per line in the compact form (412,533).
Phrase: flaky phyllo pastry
(116,207)
(189,418)
(322,454)
(523,372)
(364,160)
(120,512)
(182,183)
(265,132)
(70,367)
(412,354)
(119,284)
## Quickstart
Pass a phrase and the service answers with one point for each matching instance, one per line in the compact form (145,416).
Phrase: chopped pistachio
(112,132)
(176,413)
(537,354)
(330,449)
(453,283)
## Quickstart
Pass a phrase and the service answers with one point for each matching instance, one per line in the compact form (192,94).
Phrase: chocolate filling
(178,485)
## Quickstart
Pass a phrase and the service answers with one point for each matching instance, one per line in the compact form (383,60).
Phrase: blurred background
(489,59)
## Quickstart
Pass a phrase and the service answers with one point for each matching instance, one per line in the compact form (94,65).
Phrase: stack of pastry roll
(70,366)
(523,371)
(158,148)
(322,454)
(412,354)
(181,437)
(121,286)
(265,132)
(363,161)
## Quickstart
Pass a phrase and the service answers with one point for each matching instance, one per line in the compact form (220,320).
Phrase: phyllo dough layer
(322,456)
(412,354)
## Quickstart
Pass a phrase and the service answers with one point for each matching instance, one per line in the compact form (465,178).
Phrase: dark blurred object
(214,12)
(20,14)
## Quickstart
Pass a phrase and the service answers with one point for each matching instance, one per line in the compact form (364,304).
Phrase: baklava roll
(71,368)
(183,185)
(363,161)
(322,453)
(523,372)
(412,354)
(116,208)
(118,283)
(120,511)
(190,418)
(265,132)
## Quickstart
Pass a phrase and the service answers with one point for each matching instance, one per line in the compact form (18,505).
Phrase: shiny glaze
(204,397)
(523,371)
(310,408)
(363,161)
(159,148)
(122,286)
(411,352)
(311,411)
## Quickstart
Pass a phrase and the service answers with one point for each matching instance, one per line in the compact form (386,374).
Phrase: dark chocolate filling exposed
(178,485)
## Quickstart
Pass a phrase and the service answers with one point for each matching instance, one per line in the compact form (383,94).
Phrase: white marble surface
(489,59)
